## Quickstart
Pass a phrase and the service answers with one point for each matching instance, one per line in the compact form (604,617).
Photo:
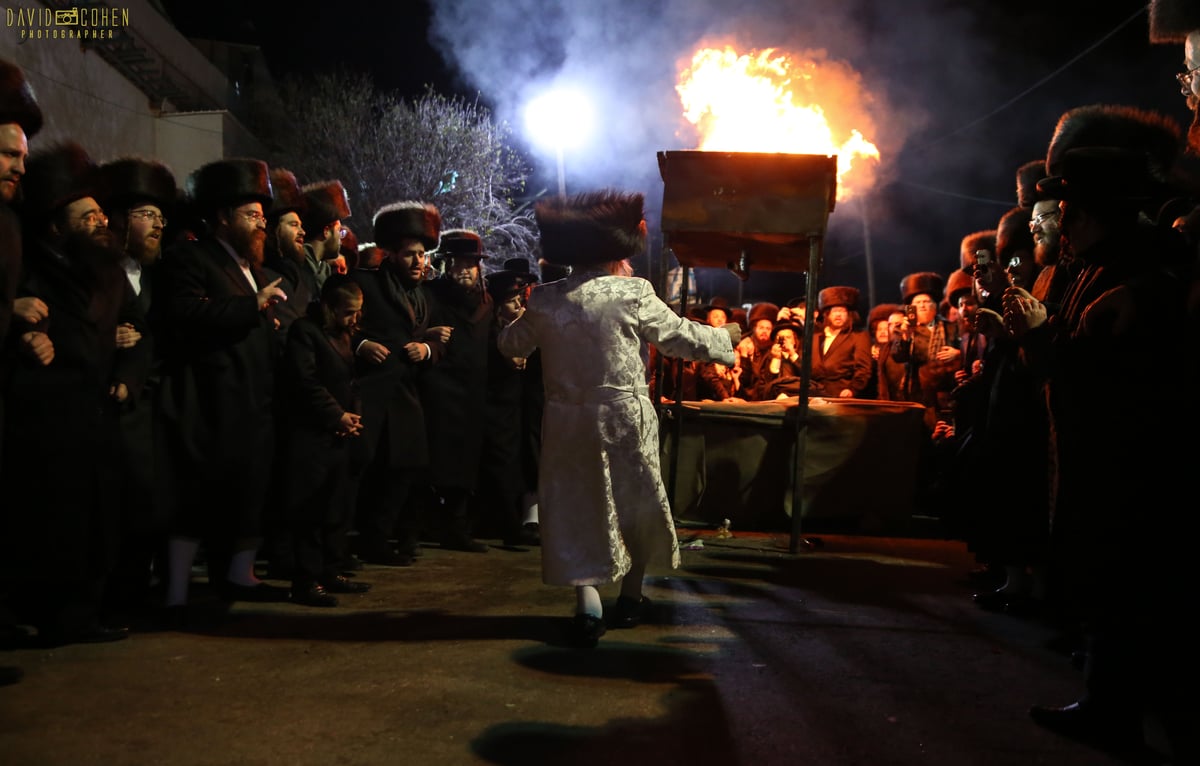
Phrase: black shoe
(10,675)
(351,563)
(627,613)
(993,600)
(531,533)
(584,631)
(340,584)
(261,593)
(464,543)
(92,634)
(1084,723)
(387,557)
(312,595)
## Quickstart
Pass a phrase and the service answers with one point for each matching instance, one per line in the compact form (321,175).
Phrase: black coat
(215,415)
(847,364)
(60,491)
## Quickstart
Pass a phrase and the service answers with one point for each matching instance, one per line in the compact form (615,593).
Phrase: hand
(776,351)
(338,265)
(271,294)
(746,347)
(416,351)
(441,334)
(39,346)
(1022,312)
(127,335)
(350,424)
(30,309)
(845,393)
(119,392)
(373,352)
(948,353)
(988,323)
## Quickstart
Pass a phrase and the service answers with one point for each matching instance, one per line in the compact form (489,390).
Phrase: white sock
(241,568)
(631,584)
(529,505)
(181,553)
(1016,579)
(587,601)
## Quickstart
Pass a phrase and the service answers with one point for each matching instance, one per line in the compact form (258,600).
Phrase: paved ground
(864,650)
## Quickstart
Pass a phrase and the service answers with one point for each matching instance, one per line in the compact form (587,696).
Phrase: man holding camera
(928,345)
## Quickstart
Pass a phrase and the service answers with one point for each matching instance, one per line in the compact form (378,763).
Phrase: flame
(767,102)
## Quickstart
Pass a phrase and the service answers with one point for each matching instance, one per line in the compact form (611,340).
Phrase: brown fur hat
(1124,127)
(959,282)
(17,101)
(131,180)
(324,203)
(1013,234)
(229,183)
(879,313)
(928,282)
(591,228)
(759,311)
(289,198)
(1172,20)
(838,296)
(460,243)
(399,221)
(979,240)
(1027,177)
(58,176)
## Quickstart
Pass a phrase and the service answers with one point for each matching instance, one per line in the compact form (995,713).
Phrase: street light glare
(559,119)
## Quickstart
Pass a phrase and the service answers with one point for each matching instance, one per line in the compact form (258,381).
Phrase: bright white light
(559,119)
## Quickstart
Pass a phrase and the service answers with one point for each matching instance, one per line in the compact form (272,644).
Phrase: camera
(983,257)
(910,313)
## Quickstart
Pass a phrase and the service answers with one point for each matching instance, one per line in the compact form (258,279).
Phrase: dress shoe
(351,563)
(386,557)
(340,584)
(584,631)
(260,593)
(312,595)
(627,612)
(1084,722)
(531,533)
(464,543)
(92,634)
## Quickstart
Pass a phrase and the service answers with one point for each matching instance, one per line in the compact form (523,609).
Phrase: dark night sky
(962,91)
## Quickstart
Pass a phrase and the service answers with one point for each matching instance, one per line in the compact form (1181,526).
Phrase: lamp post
(561,119)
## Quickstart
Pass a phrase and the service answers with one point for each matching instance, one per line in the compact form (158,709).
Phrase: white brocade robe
(601,498)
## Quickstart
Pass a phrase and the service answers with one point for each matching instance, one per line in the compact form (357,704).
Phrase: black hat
(289,197)
(1172,20)
(17,101)
(788,325)
(399,221)
(58,176)
(928,282)
(324,203)
(460,243)
(552,272)
(229,183)
(1159,136)
(971,244)
(591,228)
(838,296)
(1101,173)
(131,180)
(514,277)
(1013,234)
(716,304)
(1027,177)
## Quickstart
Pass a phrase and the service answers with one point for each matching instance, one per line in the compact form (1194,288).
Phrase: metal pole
(814,267)
(866,227)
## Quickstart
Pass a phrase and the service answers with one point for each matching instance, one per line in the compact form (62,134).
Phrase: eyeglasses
(1185,78)
(253,216)
(149,215)
(94,218)
(1014,262)
(1041,218)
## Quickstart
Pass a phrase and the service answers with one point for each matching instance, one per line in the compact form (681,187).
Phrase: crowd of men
(200,384)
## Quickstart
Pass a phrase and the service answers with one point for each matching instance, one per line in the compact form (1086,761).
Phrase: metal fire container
(743,210)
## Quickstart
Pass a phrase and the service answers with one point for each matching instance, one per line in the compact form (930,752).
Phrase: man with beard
(1044,225)
(215,403)
(137,194)
(755,348)
(20,119)
(841,355)
(283,252)
(453,392)
(61,505)
(325,205)
(395,345)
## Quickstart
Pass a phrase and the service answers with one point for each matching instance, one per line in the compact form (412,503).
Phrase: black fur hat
(229,183)
(760,311)
(325,202)
(58,176)
(880,313)
(928,282)
(1013,234)
(959,283)
(1124,127)
(970,244)
(289,198)
(460,243)
(407,220)
(129,181)
(1172,20)
(1027,177)
(838,296)
(1101,173)
(17,101)
(591,228)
